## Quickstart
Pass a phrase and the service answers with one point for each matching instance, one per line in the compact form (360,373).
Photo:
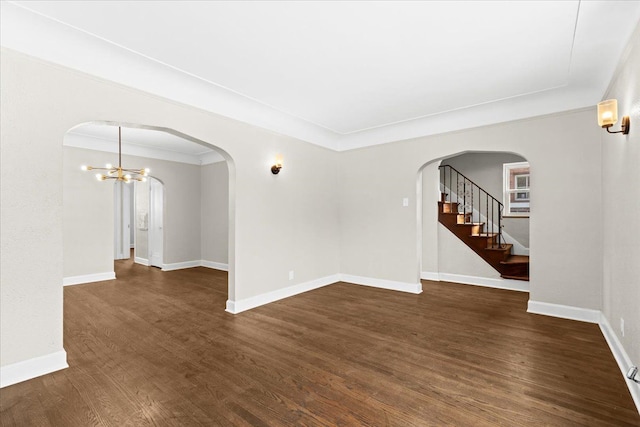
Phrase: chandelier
(119,173)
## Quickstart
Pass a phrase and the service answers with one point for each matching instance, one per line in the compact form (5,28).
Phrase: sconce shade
(607,113)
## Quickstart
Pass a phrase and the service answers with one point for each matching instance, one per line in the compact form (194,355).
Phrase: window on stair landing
(516,189)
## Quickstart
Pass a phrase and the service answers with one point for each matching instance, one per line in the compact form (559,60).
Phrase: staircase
(475,217)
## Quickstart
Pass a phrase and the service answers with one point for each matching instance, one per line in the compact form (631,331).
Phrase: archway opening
(496,253)
(197,214)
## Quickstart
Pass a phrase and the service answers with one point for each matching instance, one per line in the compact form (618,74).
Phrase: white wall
(214,201)
(429,191)
(621,205)
(88,215)
(280,223)
(378,235)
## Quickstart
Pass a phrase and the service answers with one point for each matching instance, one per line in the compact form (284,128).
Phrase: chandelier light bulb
(109,166)
(99,177)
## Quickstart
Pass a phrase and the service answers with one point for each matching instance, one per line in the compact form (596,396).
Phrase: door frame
(156,223)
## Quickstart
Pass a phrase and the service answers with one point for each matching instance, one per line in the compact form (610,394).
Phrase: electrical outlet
(622,326)
(405,202)
(291,275)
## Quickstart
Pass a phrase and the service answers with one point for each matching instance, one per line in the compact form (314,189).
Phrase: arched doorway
(443,254)
(89,209)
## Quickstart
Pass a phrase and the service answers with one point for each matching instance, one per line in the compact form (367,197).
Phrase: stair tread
(484,235)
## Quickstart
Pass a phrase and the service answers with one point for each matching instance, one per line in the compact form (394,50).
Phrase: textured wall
(215,212)
(378,234)
(621,206)
(88,214)
(280,223)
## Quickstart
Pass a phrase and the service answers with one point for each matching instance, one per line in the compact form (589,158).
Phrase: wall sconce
(608,116)
(275,169)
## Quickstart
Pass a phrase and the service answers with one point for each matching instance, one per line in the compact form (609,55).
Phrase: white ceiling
(341,74)
(140,142)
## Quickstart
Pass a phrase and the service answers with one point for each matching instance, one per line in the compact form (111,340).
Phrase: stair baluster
(493,208)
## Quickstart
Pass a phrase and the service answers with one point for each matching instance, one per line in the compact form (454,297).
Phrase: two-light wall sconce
(275,169)
(608,116)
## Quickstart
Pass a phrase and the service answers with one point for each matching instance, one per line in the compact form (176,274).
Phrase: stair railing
(475,202)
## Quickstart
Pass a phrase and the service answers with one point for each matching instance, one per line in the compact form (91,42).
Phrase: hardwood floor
(157,348)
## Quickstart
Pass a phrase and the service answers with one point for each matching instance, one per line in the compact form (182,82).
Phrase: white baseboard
(191,264)
(88,278)
(621,356)
(564,311)
(488,282)
(180,265)
(32,368)
(142,261)
(262,299)
(239,306)
(414,288)
(428,275)
(214,265)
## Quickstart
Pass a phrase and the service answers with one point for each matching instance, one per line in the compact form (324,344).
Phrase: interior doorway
(123,241)
(177,229)
(446,255)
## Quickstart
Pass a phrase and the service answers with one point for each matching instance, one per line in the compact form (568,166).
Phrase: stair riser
(463,218)
(448,207)
(470,229)
(495,257)
(484,242)
(515,269)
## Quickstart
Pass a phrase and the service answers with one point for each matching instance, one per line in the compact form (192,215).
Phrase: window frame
(509,191)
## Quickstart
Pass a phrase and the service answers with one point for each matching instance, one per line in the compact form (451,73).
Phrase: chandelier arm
(119,173)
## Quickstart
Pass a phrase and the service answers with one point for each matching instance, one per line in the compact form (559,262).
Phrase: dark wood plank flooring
(157,348)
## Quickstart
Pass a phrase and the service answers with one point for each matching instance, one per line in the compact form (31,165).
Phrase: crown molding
(42,37)
(89,142)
